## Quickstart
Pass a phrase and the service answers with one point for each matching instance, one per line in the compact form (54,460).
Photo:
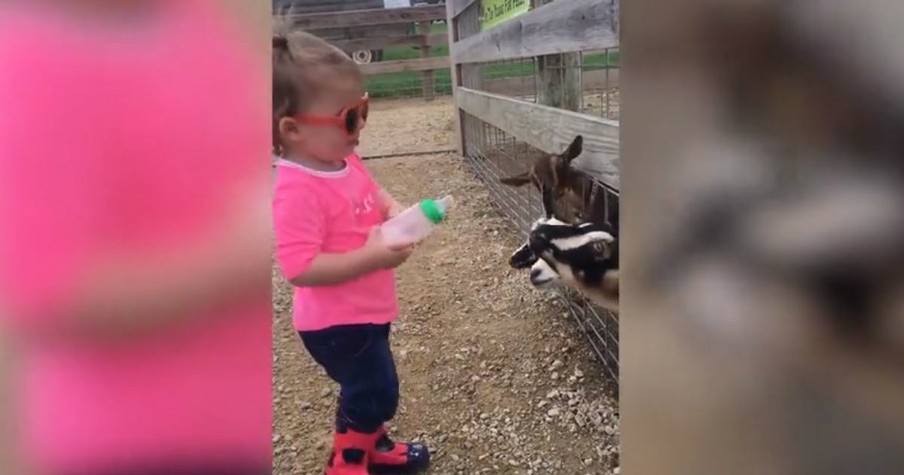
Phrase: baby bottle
(415,223)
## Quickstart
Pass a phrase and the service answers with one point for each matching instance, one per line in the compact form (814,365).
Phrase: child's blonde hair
(303,67)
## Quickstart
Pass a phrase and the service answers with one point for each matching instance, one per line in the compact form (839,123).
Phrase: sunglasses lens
(351,121)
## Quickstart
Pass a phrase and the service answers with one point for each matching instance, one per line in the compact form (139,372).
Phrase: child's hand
(383,256)
(394,210)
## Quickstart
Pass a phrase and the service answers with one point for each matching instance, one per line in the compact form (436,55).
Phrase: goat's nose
(534,274)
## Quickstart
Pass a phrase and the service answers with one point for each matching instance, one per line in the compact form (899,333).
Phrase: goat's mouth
(544,283)
(541,279)
(523,258)
(523,262)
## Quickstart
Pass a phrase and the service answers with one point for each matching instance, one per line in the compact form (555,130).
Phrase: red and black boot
(388,457)
(350,453)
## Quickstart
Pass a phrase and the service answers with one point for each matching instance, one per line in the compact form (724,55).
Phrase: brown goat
(553,176)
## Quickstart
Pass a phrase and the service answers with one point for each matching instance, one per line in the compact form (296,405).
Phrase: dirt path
(407,126)
(495,378)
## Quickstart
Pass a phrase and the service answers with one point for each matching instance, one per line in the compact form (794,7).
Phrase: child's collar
(286,162)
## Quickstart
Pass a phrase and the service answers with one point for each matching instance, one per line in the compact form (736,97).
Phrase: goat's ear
(573,150)
(517,180)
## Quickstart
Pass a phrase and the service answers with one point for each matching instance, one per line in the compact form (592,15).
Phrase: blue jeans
(359,359)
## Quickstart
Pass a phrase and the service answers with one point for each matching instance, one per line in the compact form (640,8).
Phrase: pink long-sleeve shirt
(330,212)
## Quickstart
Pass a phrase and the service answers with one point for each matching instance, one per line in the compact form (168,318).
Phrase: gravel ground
(495,377)
(408,125)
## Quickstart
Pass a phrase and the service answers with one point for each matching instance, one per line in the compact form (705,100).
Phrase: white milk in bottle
(415,223)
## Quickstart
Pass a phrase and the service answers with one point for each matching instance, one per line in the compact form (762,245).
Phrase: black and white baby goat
(583,256)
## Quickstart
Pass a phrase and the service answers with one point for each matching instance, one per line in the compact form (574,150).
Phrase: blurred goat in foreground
(767,298)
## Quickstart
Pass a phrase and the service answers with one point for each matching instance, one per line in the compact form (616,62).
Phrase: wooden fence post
(465,22)
(558,77)
(429,89)
(455,73)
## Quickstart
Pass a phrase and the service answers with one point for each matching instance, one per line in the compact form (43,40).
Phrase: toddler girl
(327,210)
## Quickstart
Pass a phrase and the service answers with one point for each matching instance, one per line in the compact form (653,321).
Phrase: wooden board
(386,42)
(360,32)
(458,6)
(551,130)
(562,26)
(316,21)
(558,77)
(318,6)
(455,74)
(417,64)
(428,83)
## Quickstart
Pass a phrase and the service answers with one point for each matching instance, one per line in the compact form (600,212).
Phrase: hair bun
(280,42)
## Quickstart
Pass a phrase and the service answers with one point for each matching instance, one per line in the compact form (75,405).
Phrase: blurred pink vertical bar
(133,133)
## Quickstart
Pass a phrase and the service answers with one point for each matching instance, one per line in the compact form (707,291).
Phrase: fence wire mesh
(515,78)
(408,84)
(584,82)
(597,72)
(599,83)
(493,154)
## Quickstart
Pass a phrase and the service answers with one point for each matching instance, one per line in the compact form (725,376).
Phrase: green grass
(409,83)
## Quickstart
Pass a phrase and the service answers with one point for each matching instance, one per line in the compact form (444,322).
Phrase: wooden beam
(559,77)
(387,42)
(550,130)
(458,6)
(562,26)
(317,6)
(416,64)
(428,84)
(367,31)
(455,75)
(408,154)
(316,21)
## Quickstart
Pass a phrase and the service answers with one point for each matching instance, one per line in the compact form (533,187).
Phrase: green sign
(499,11)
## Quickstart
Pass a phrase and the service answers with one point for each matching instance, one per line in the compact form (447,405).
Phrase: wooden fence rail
(378,29)
(551,28)
(381,16)
(385,42)
(561,26)
(416,64)
(549,129)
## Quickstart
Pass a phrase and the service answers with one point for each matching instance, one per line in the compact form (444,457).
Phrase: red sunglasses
(348,119)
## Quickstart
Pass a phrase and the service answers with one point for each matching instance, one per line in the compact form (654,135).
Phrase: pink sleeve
(300,226)
(52,184)
(47,219)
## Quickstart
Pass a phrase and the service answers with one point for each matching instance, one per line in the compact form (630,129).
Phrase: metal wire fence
(597,71)
(493,154)
(581,81)
(408,85)
(599,83)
